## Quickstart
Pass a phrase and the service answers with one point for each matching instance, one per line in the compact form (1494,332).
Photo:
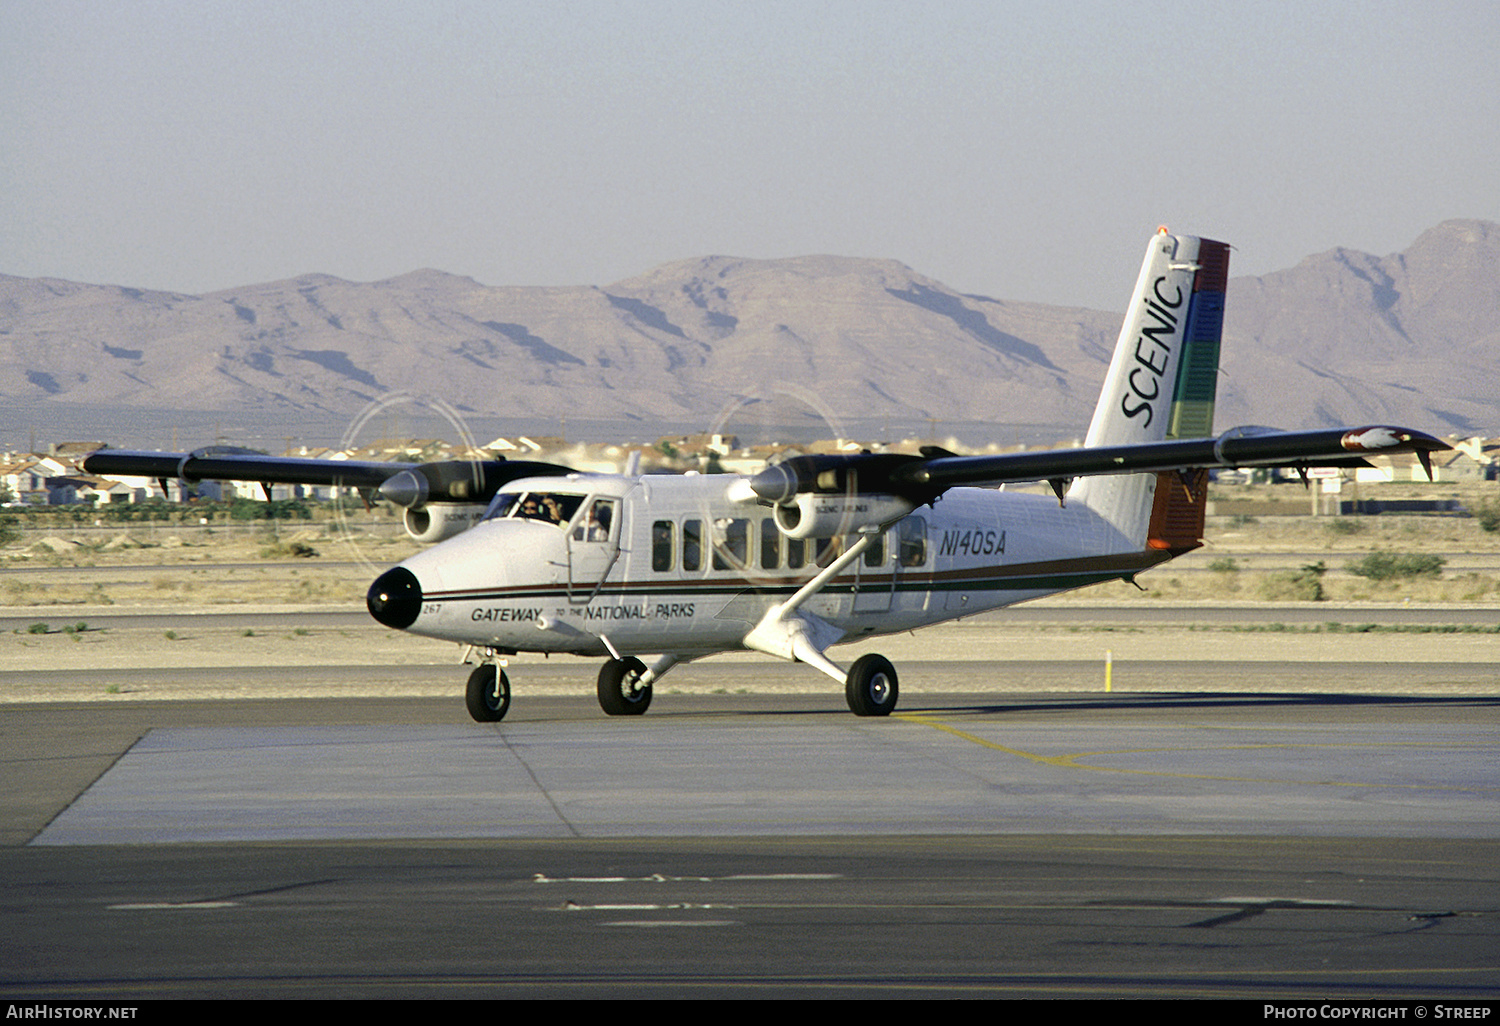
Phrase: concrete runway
(1272,846)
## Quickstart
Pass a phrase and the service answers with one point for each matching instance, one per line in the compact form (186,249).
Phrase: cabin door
(593,548)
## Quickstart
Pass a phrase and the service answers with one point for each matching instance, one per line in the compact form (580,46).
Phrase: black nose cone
(395,598)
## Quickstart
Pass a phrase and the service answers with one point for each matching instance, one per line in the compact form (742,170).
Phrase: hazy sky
(1020,150)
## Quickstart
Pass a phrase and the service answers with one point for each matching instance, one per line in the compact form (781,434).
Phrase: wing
(406,484)
(1241,447)
(920,479)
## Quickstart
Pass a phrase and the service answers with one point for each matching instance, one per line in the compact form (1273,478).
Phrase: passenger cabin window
(731,542)
(796,553)
(770,545)
(692,545)
(663,534)
(732,550)
(911,541)
(826,550)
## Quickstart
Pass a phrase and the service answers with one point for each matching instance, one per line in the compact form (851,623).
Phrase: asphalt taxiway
(949,766)
(1272,803)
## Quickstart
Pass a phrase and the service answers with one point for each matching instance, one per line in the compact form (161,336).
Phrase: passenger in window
(597,527)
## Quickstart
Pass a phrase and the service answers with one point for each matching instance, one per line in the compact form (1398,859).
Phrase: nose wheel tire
(620,691)
(488,693)
(871,686)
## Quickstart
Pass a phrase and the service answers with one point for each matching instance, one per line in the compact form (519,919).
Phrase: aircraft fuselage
(682,568)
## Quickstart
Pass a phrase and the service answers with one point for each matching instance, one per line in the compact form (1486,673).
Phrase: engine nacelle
(811,515)
(438,520)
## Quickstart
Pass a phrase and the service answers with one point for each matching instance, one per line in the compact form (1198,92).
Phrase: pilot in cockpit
(541,507)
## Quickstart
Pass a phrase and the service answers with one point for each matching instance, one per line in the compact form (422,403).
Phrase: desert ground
(69,587)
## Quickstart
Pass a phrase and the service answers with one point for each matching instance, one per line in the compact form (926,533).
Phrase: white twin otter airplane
(652,571)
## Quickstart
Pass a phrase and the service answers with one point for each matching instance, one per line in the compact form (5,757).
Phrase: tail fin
(1161,385)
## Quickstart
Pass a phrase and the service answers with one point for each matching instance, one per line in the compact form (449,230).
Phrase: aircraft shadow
(1057,705)
(1198,700)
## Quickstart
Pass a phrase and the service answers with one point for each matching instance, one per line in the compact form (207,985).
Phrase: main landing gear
(870,687)
(621,691)
(785,631)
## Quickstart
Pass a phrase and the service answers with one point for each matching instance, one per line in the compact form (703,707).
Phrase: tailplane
(1161,385)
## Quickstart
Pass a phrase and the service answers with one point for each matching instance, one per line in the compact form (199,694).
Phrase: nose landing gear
(488,693)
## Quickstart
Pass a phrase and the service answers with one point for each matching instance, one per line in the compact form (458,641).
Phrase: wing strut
(799,637)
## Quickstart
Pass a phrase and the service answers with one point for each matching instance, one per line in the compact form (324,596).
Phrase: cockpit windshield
(547,507)
(501,505)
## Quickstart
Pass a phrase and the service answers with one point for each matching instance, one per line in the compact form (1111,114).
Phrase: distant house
(77,488)
(719,445)
(1402,466)
(19,477)
(25,476)
(73,452)
(1474,459)
(541,444)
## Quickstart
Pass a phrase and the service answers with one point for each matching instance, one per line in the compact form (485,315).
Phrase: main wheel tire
(619,692)
(871,686)
(488,693)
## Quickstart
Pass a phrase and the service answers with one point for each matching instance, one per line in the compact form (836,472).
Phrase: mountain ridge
(1342,337)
